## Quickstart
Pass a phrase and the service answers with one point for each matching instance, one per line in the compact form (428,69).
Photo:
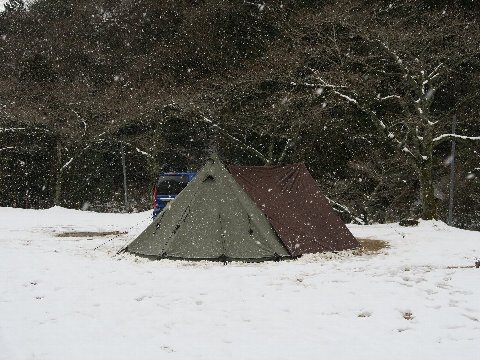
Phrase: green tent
(211,219)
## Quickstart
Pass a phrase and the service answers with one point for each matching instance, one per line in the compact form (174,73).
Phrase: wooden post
(452,175)
(124,176)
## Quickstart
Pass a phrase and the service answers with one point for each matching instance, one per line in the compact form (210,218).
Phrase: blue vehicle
(167,187)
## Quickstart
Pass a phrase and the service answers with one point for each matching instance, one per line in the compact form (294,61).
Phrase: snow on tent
(299,213)
(223,217)
(211,219)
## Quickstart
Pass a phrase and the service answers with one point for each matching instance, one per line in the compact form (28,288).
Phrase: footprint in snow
(455,327)
(167,349)
(443,286)
(473,318)
(460,292)
(364,314)
(453,303)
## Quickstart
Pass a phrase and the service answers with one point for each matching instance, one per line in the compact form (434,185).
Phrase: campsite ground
(418,298)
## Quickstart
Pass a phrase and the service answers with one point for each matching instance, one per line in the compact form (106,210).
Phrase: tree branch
(343,208)
(377,121)
(100,140)
(448,137)
(23,129)
(240,142)
(7,148)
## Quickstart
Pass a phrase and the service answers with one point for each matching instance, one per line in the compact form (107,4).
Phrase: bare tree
(396,88)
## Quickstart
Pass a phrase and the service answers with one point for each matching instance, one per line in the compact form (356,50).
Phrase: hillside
(364,92)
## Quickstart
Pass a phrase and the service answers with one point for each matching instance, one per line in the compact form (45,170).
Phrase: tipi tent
(299,213)
(249,214)
(211,219)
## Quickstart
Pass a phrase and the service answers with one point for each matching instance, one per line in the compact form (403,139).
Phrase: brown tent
(299,213)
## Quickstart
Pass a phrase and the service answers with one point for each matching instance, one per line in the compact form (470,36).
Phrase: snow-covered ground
(2,4)
(61,299)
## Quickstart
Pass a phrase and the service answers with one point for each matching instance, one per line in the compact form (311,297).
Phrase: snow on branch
(407,73)
(434,73)
(343,208)
(22,129)
(11,129)
(322,82)
(7,148)
(67,164)
(389,97)
(390,135)
(83,121)
(446,137)
(397,58)
(143,152)
(260,6)
(240,142)
(207,120)
(98,140)
(346,97)
(136,148)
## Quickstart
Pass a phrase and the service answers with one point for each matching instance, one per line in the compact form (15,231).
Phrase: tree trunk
(59,176)
(271,147)
(429,209)
(124,168)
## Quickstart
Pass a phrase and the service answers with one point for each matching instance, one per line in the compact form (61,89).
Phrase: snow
(143,152)
(7,148)
(388,97)
(60,298)
(67,164)
(456,136)
(348,98)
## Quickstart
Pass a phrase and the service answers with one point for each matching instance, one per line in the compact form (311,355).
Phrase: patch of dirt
(90,233)
(371,246)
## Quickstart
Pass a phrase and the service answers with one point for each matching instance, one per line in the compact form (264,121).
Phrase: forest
(370,94)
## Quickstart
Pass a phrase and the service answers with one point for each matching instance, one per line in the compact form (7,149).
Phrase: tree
(280,80)
(14,5)
(392,78)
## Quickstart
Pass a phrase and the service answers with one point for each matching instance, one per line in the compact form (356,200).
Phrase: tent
(299,213)
(211,219)
(247,214)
